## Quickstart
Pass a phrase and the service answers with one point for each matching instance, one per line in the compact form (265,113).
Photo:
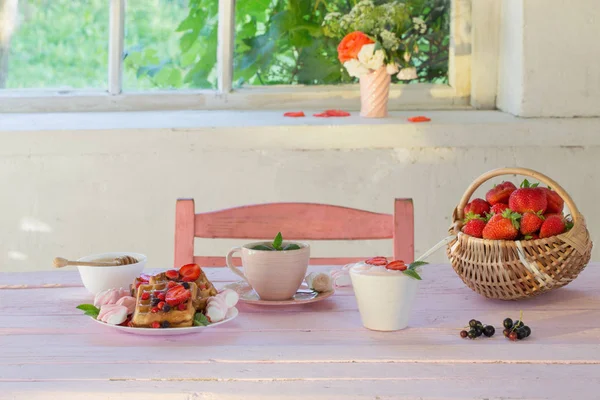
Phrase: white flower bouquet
(376,36)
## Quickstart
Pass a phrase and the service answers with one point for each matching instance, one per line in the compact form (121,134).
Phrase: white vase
(374,94)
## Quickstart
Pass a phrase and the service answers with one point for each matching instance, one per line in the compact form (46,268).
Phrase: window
(209,54)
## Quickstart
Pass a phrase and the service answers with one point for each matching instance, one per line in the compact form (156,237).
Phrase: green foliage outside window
(172,44)
(283,42)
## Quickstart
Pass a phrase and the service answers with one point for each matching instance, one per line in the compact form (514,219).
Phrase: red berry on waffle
(172,274)
(190,272)
(177,295)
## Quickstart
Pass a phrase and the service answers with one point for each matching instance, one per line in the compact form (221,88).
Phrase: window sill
(269,129)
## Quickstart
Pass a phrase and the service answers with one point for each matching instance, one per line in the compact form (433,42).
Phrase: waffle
(144,317)
(205,289)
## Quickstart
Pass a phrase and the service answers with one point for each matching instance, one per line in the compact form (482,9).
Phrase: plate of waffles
(174,302)
(304,295)
(231,314)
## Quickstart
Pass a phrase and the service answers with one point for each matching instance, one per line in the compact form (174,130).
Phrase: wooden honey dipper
(60,262)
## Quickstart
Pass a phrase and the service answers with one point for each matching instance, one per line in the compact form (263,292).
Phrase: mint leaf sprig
(89,310)
(200,320)
(277,245)
(412,270)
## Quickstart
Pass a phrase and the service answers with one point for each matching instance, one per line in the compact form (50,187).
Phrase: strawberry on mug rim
(397,265)
(377,261)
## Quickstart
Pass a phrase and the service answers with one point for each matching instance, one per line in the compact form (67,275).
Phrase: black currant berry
(185,285)
(508,323)
(513,336)
(521,333)
(472,334)
(489,331)
(518,324)
(473,323)
(527,330)
(478,331)
(506,332)
(165,324)
(464,334)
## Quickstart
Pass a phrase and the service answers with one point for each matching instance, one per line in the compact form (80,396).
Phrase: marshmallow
(341,277)
(112,314)
(128,302)
(319,281)
(231,297)
(216,309)
(110,296)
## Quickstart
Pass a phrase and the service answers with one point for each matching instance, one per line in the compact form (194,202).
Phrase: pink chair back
(296,221)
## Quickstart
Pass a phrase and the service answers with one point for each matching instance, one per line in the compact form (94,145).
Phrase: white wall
(550,58)
(71,193)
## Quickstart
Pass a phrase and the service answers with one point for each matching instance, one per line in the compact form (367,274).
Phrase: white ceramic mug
(274,275)
(384,301)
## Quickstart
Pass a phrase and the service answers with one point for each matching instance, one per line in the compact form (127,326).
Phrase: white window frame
(473,66)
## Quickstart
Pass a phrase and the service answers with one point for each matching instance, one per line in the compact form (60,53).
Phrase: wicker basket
(511,270)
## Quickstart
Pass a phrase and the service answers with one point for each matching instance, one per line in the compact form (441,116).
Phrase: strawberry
(172,274)
(531,223)
(380,261)
(503,226)
(172,284)
(478,207)
(397,265)
(182,307)
(499,208)
(500,193)
(552,226)
(190,272)
(177,295)
(555,202)
(474,227)
(155,324)
(529,198)
(145,296)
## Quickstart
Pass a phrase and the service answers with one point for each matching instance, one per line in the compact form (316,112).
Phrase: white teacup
(385,298)
(274,275)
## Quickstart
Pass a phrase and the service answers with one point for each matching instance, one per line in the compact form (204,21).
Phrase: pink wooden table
(319,351)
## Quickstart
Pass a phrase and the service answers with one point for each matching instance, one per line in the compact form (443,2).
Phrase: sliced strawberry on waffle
(190,272)
(177,295)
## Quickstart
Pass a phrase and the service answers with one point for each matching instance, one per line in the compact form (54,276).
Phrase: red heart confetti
(420,118)
(294,114)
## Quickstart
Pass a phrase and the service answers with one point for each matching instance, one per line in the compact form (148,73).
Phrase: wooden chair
(296,221)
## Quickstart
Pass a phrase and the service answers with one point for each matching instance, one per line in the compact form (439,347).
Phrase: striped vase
(374,93)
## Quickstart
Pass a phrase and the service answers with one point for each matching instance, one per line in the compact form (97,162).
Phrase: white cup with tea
(274,270)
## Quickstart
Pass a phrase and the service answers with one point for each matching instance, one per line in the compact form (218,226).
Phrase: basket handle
(517,171)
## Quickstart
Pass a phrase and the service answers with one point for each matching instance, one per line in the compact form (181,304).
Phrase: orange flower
(351,45)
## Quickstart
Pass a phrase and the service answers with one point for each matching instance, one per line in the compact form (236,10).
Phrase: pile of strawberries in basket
(511,213)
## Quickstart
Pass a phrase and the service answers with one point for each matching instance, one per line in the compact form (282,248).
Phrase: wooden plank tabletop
(316,351)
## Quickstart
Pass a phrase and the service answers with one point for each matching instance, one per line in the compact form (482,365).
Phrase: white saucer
(231,314)
(249,296)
